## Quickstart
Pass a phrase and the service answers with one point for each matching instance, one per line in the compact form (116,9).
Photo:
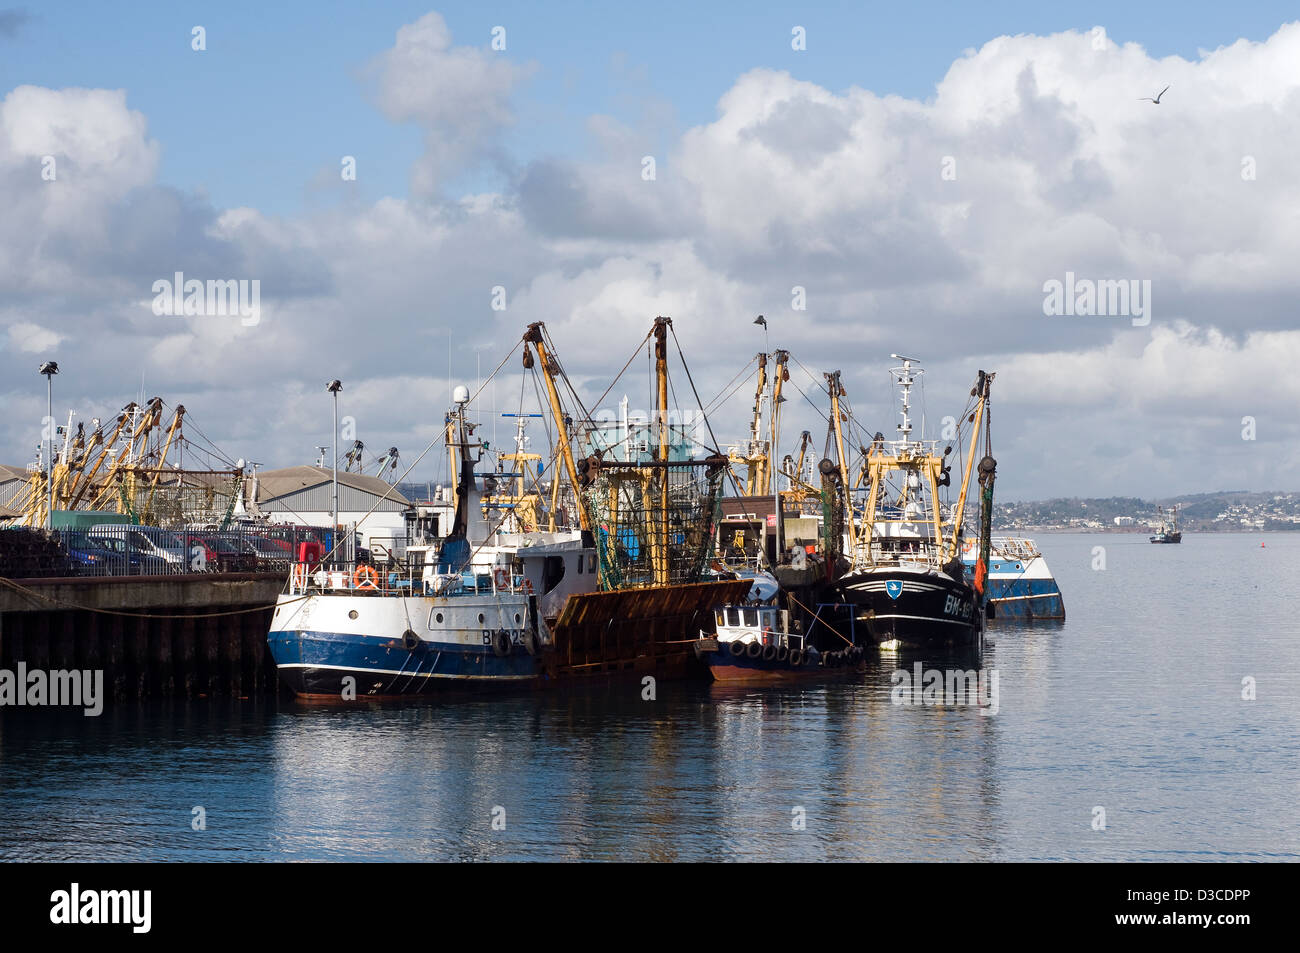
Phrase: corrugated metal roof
(8,473)
(272,484)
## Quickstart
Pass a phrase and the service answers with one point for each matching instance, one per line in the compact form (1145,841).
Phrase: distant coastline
(1004,530)
(1228,511)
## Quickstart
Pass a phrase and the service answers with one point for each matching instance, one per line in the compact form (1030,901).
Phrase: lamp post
(334,387)
(49,369)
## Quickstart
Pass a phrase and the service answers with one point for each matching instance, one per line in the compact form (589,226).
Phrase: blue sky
(278,95)
(821,170)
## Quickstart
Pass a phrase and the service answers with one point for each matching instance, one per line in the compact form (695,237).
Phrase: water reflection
(1133,704)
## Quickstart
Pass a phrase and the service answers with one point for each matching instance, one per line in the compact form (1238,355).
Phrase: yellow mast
(171,435)
(780,377)
(83,482)
(754,479)
(535,336)
(152,414)
(965,477)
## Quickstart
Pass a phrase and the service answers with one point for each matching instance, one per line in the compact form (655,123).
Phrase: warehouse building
(304,495)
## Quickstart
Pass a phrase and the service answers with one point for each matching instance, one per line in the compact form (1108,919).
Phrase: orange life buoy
(528,586)
(501,578)
(365,577)
(300,575)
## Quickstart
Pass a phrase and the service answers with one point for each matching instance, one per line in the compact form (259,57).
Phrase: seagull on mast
(1148,99)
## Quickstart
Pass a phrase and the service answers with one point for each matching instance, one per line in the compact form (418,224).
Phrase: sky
(872,178)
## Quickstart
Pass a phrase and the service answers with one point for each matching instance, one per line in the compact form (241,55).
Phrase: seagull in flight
(1148,99)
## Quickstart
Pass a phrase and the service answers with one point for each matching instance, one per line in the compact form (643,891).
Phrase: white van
(149,540)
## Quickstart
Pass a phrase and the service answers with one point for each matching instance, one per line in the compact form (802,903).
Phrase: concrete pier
(180,636)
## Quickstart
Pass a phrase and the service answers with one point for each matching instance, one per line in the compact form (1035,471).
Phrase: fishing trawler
(1168,531)
(772,635)
(907,584)
(1020,584)
(344,629)
(647,512)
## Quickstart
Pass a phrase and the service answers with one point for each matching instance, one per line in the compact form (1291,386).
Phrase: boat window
(591,562)
(733,617)
(721,616)
(751,617)
(552,572)
(580,562)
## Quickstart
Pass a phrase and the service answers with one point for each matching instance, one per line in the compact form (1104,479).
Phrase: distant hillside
(1229,510)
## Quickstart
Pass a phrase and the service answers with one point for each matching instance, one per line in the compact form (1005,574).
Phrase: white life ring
(500,578)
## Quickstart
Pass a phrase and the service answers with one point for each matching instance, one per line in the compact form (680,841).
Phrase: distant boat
(1169,531)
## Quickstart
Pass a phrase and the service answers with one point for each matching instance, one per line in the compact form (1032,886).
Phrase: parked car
(222,554)
(291,536)
(87,559)
(149,540)
(125,558)
(271,554)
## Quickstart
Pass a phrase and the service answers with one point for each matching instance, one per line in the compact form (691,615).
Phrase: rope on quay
(24,590)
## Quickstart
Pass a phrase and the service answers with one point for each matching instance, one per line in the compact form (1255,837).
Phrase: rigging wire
(416,461)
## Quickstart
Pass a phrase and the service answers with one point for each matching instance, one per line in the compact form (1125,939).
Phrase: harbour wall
(176,636)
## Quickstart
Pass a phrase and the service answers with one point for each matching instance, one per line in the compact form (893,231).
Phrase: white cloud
(460,96)
(1059,167)
(32,338)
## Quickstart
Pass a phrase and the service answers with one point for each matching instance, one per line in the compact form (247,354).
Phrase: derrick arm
(536,336)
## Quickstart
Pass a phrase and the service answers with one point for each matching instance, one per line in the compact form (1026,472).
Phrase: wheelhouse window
(552,572)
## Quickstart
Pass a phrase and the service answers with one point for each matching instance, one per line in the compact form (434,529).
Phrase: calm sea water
(1133,705)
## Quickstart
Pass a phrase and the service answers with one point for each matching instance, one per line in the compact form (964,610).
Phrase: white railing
(1016,547)
(365,579)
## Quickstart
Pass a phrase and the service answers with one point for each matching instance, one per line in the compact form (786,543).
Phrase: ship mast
(757,457)
(780,377)
(535,335)
(658,539)
(981,392)
(837,391)
(908,456)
